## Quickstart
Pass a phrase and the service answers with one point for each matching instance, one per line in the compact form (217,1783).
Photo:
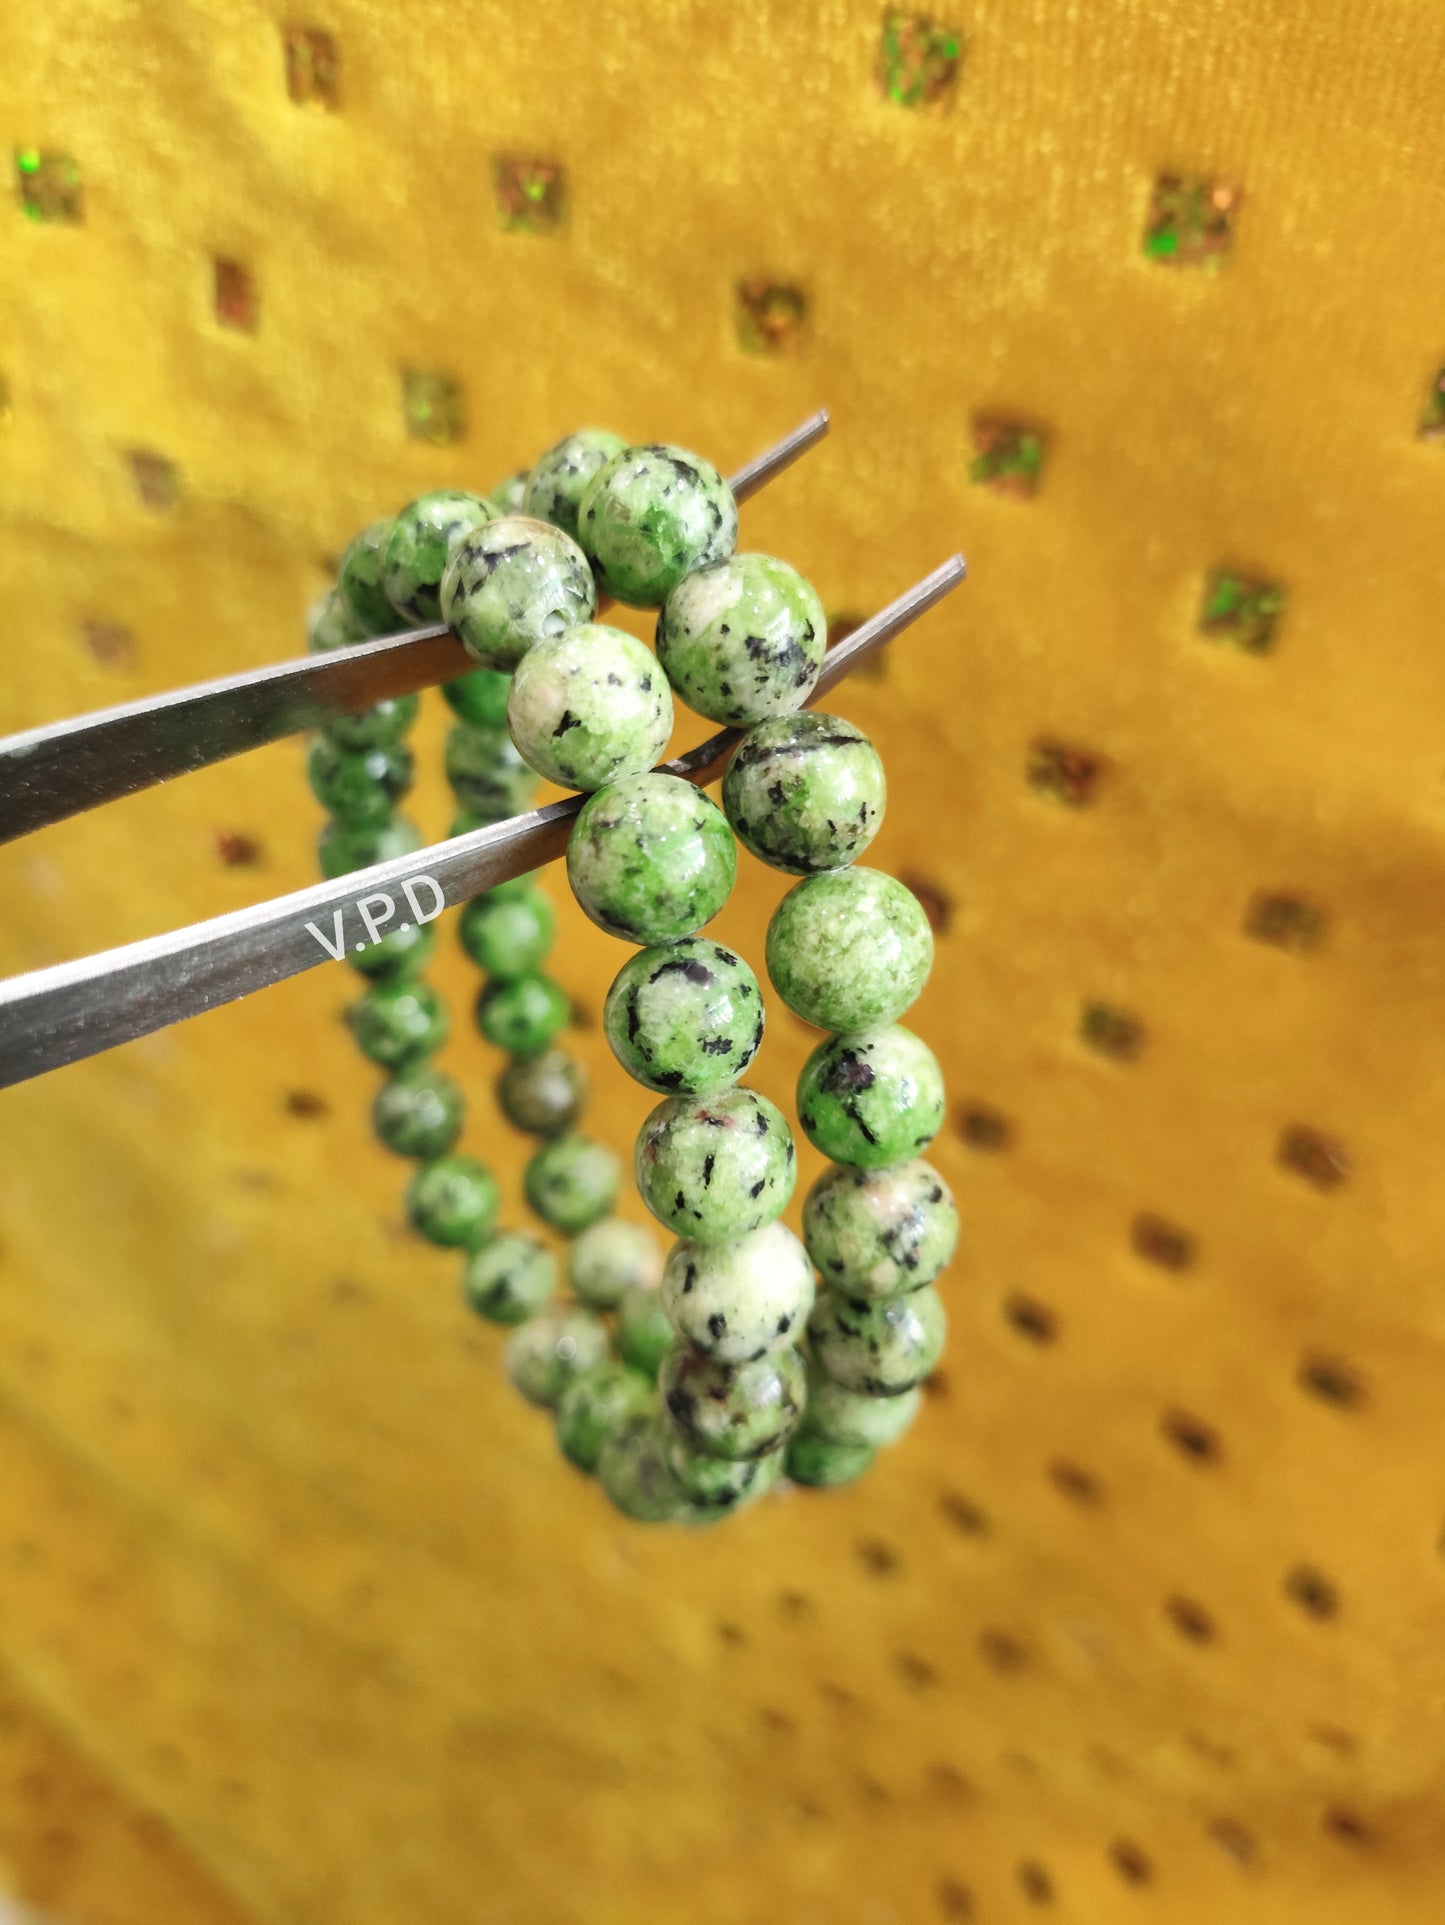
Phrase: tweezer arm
(59,1015)
(63,768)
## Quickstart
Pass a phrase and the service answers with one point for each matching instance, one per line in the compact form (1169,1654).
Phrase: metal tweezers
(54,1016)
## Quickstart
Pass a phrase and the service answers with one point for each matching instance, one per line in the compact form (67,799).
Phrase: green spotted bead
(508,936)
(876,1233)
(522,1014)
(651,516)
(330,623)
(510,1278)
(684,1018)
(513,584)
(588,706)
(852,1417)
(554,489)
(486,772)
(419,546)
(358,578)
(735,1411)
(872,1100)
(820,1463)
(596,1407)
(508,495)
(715,1167)
(419,1113)
(610,1258)
(396,1024)
(340,849)
(454,1201)
(633,1471)
(359,786)
(543,1095)
(805,793)
(743,640)
(400,952)
(546,1355)
(644,1335)
(375,726)
(479,698)
(881,1346)
(717,1486)
(742,1299)
(651,858)
(850,950)
(572,1183)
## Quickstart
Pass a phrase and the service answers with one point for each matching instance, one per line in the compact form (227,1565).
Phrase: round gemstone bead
(486,772)
(331,624)
(572,1182)
(876,1233)
(850,950)
(340,849)
(651,858)
(554,489)
(596,1407)
(396,1024)
(733,1410)
(359,580)
(454,1201)
(588,706)
(419,546)
(543,1095)
(651,516)
(632,1469)
(480,698)
(816,1461)
(511,585)
(685,1018)
(743,640)
(718,1486)
(399,952)
(881,1346)
(739,1300)
(546,1355)
(373,727)
(841,1416)
(507,496)
(644,1335)
(609,1259)
(359,786)
(419,1113)
(712,1168)
(509,1278)
(872,1100)
(522,1014)
(508,936)
(805,792)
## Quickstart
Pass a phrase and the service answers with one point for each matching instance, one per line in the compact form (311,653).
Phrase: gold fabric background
(301,1616)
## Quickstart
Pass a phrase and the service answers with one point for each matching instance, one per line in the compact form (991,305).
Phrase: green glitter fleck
(1191,221)
(1243,610)
(918,60)
(1010,458)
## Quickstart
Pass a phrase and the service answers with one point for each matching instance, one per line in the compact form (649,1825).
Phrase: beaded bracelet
(682,1383)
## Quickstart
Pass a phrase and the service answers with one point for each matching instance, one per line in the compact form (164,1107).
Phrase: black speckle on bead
(707,1167)
(762,1123)
(680,1202)
(689,1278)
(715,1046)
(785,1324)
(717,1324)
(757,1189)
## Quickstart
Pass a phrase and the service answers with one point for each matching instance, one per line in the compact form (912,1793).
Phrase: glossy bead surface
(511,585)
(718,1486)
(872,1101)
(805,792)
(399,952)
(479,698)
(554,489)
(522,1014)
(546,1355)
(684,1018)
(487,774)
(454,1201)
(358,577)
(733,1410)
(820,1463)
(359,786)
(543,1095)
(507,496)
(644,1335)
(611,1258)
(715,1167)
(419,1112)
(877,1233)
(588,706)
(651,516)
(373,727)
(331,623)
(597,1406)
(509,1278)
(632,1469)
(842,1416)
(743,640)
(419,546)
(881,1346)
(397,1023)
(651,858)
(850,950)
(572,1182)
(340,849)
(742,1299)
(508,936)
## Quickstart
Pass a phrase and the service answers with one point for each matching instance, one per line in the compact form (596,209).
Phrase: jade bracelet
(688,1383)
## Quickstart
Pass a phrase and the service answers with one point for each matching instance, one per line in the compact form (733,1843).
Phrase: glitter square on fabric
(237,303)
(528,193)
(772,317)
(1243,610)
(918,60)
(49,186)
(1010,458)
(433,404)
(313,68)
(1191,221)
